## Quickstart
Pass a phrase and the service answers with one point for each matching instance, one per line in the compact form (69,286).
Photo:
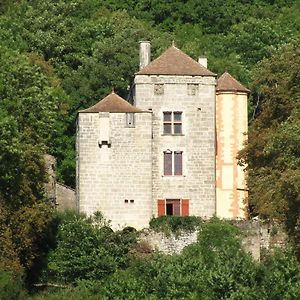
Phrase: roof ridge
(111,103)
(226,82)
(174,61)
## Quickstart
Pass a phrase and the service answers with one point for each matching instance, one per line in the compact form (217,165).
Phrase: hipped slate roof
(175,62)
(112,103)
(226,83)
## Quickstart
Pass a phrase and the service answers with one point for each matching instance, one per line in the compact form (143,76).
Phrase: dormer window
(172,122)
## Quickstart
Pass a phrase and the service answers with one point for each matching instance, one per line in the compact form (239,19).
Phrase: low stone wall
(169,244)
(256,236)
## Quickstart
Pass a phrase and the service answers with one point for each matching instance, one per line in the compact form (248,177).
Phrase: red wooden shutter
(161,207)
(185,207)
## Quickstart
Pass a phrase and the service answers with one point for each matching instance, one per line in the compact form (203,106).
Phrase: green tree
(29,107)
(273,149)
(86,248)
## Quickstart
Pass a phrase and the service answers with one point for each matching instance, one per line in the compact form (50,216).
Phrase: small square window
(158,89)
(192,89)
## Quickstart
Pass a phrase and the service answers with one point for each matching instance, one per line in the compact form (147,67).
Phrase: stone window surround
(179,169)
(192,89)
(172,122)
(182,208)
(159,89)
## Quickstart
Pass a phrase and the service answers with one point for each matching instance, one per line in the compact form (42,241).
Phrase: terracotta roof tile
(112,103)
(228,83)
(175,62)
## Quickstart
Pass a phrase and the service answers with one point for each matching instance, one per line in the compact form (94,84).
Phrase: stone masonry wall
(197,141)
(115,178)
(257,236)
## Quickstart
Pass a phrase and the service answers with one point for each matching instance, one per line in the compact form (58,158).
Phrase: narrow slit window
(168,163)
(178,163)
(130,120)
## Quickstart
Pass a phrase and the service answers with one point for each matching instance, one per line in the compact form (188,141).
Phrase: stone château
(172,152)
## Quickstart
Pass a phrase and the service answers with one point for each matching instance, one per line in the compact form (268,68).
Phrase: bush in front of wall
(87,248)
(175,224)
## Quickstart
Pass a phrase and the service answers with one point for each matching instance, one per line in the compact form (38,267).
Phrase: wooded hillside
(59,56)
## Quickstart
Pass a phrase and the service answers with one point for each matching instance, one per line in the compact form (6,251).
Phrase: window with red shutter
(185,207)
(173,207)
(161,207)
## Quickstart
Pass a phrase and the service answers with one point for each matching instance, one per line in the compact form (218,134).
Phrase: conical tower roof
(227,83)
(175,62)
(112,103)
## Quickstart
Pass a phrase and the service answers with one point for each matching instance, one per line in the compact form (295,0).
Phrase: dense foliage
(11,287)
(216,267)
(273,152)
(87,248)
(175,224)
(93,44)
(59,56)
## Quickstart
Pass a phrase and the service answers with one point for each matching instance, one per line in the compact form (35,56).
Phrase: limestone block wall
(114,167)
(232,124)
(65,197)
(194,96)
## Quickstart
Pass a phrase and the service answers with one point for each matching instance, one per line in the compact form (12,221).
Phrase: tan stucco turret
(232,126)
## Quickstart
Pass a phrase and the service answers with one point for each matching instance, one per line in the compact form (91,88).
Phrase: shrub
(175,224)
(87,248)
(11,286)
(280,278)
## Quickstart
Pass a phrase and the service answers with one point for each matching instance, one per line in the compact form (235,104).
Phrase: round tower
(231,127)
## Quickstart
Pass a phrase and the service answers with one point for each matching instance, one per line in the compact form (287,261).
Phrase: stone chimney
(202,61)
(145,54)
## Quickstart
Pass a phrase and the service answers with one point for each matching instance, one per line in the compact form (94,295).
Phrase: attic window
(130,120)
(158,89)
(192,89)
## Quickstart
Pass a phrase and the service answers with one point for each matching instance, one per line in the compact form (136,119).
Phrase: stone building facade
(157,156)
